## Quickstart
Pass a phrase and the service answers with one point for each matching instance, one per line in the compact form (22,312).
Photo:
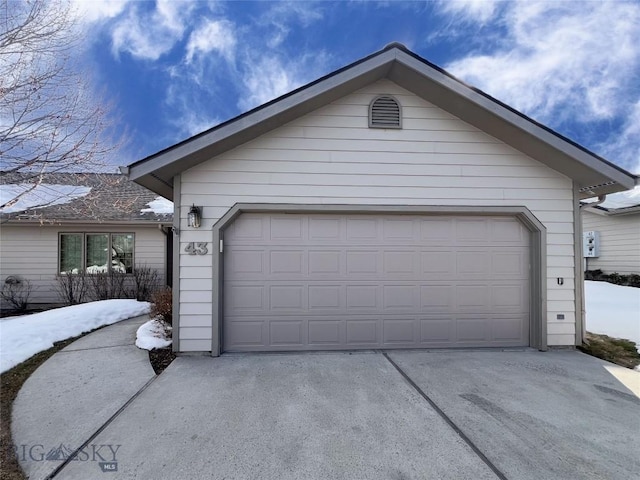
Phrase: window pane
(97,253)
(122,252)
(70,253)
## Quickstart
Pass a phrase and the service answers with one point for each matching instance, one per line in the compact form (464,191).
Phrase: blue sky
(174,68)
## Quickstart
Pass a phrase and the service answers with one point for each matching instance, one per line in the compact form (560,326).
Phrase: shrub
(144,283)
(72,288)
(162,305)
(16,291)
(616,278)
(107,285)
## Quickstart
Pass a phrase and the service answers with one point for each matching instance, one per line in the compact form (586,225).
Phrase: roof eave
(593,174)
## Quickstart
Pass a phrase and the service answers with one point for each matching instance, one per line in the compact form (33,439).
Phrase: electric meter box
(591,244)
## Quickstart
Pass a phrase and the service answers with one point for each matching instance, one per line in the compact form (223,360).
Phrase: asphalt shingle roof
(112,198)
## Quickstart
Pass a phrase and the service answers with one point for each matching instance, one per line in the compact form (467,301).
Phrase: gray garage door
(328,282)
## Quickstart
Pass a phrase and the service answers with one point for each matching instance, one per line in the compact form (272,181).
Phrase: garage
(348,281)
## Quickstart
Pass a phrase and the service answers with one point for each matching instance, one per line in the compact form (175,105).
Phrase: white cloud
(563,62)
(624,149)
(282,15)
(212,35)
(149,35)
(476,10)
(269,77)
(98,10)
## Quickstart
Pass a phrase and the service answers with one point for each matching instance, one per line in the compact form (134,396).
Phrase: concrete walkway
(372,415)
(72,395)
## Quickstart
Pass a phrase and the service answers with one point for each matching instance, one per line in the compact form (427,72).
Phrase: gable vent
(384,112)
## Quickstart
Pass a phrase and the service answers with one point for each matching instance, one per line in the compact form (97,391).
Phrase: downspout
(581,327)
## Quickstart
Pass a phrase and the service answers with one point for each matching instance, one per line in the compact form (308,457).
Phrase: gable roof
(593,174)
(78,198)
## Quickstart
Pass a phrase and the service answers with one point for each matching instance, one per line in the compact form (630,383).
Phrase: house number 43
(195,248)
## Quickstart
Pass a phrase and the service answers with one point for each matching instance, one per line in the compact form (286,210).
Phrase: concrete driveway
(406,415)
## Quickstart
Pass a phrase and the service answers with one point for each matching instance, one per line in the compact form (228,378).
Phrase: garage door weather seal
(450,422)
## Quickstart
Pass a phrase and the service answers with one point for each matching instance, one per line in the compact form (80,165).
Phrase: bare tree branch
(50,119)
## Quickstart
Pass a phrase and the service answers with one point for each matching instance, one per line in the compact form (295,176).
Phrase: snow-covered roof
(159,206)
(79,197)
(28,196)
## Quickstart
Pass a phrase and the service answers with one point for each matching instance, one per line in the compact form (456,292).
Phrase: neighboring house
(386,205)
(616,222)
(72,222)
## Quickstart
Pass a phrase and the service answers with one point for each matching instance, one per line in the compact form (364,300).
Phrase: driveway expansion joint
(70,458)
(446,418)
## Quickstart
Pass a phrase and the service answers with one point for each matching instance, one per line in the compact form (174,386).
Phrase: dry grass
(615,350)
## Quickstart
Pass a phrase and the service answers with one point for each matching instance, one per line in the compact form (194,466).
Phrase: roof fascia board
(268,117)
(609,212)
(494,107)
(93,223)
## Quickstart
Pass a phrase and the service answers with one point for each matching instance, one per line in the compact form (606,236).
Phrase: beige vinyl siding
(330,156)
(619,242)
(32,253)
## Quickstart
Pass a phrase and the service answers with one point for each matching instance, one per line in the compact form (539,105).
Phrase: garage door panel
(399,331)
(362,332)
(246,228)
(510,264)
(286,297)
(286,333)
(325,262)
(400,297)
(472,231)
(437,232)
(324,229)
(363,263)
(246,263)
(325,297)
(398,230)
(286,227)
(474,263)
(473,330)
(241,298)
(438,262)
(507,329)
(506,231)
(326,332)
(309,282)
(438,330)
(510,297)
(362,230)
(239,335)
(437,298)
(361,297)
(287,262)
(472,298)
(399,263)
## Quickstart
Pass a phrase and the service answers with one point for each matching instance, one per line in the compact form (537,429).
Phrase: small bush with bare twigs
(72,288)
(15,291)
(162,308)
(144,283)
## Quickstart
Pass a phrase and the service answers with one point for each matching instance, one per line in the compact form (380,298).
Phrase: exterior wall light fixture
(194,217)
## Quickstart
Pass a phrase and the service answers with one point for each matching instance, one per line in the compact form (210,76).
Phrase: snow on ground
(152,335)
(613,310)
(43,195)
(24,336)
(159,206)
